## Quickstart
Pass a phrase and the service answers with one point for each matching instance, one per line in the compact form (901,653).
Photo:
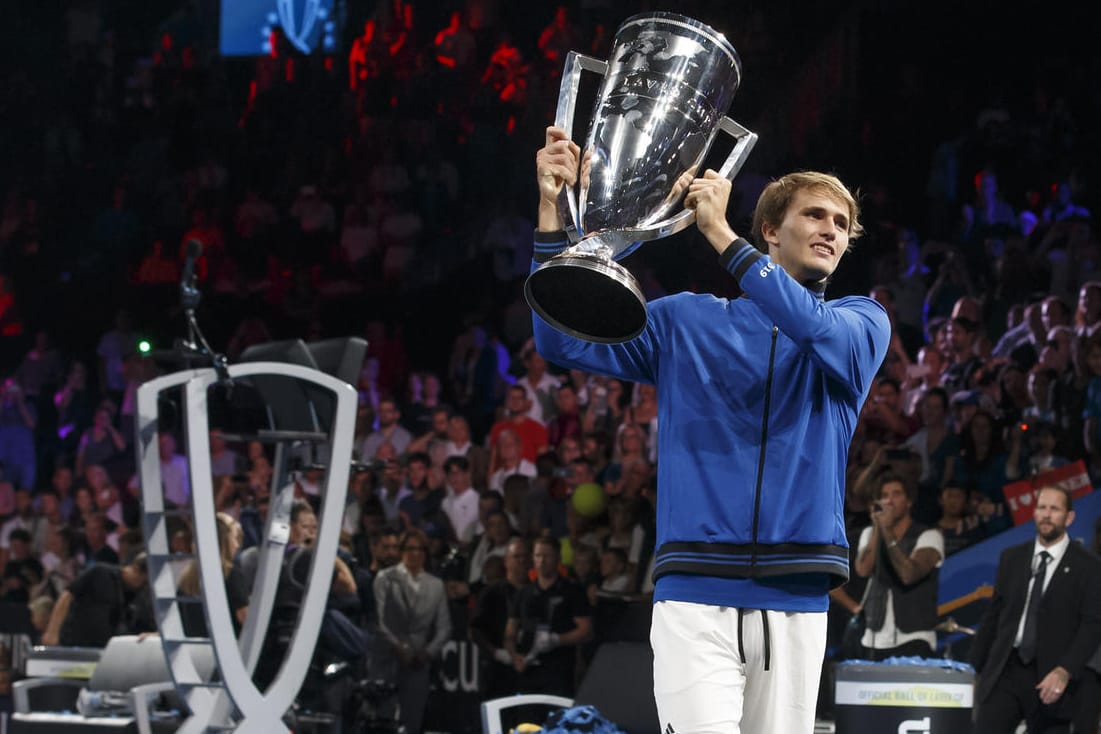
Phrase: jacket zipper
(764,443)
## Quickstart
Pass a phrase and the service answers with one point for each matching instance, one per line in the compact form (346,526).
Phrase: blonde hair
(189,579)
(777,197)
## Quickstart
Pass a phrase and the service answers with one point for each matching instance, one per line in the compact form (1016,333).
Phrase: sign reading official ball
(907,699)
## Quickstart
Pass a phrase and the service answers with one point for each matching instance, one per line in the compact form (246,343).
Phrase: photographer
(901,557)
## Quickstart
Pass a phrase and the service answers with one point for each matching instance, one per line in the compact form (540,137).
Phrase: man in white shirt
(174,472)
(459,444)
(461,502)
(901,557)
(509,461)
(540,386)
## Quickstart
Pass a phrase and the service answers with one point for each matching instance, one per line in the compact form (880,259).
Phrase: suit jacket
(417,618)
(1069,629)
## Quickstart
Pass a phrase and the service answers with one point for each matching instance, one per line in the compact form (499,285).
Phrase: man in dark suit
(1040,629)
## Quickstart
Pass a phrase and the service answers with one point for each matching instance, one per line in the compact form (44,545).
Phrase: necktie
(1027,649)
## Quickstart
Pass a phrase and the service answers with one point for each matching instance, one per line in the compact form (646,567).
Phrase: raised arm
(557,164)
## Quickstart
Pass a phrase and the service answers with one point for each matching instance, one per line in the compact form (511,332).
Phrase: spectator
(75,406)
(532,433)
(433,442)
(982,464)
(883,418)
(455,47)
(41,367)
(900,557)
(423,501)
(18,419)
(224,461)
(925,374)
(615,575)
(102,441)
(1087,317)
(174,472)
(630,446)
(493,542)
(113,347)
(487,626)
(391,489)
(934,443)
(61,563)
(959,527)
(558,38)
(22,572)
(105,495)
(414,622)
(389,431)
(459,444)
(423,401)
(541,387)
(626,534)
(963,362)
(23,518)
(541,636)
(229,542)
(567,421)
(460,503)
(98,547)
(508,461)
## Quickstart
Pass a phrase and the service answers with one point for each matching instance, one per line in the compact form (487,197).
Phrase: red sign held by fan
(1019,495)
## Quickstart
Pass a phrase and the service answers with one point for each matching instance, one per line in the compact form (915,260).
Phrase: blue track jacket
(758,398)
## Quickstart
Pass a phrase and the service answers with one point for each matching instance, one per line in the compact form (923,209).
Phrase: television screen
(309,25)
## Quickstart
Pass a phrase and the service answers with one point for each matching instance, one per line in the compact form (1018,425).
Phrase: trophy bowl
(658,110)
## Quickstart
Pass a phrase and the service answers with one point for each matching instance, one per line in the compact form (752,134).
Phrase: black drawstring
(764,626)
(741,647)
(765,633)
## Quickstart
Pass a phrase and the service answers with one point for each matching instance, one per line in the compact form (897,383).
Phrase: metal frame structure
(228,700)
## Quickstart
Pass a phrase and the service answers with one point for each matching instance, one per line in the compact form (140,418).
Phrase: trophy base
(588,297)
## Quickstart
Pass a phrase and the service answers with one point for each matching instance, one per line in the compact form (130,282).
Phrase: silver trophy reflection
(658,110)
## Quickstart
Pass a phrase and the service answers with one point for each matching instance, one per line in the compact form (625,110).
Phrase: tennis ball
(588,499)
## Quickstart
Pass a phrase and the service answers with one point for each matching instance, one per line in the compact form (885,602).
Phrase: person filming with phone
(900,558)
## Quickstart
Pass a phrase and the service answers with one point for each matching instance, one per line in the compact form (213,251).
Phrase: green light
(144,346)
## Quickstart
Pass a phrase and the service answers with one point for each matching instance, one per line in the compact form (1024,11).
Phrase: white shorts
(702,685)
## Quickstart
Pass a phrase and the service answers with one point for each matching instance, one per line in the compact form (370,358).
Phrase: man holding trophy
(758,399)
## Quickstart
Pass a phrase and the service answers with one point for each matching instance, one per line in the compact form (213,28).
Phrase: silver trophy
(658,110)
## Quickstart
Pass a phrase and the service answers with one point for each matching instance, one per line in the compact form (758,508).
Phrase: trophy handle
(744,142)
(563,118)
